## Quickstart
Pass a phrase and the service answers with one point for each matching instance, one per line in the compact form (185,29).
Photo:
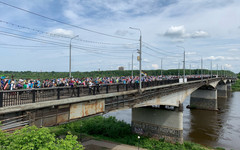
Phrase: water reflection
(211,128)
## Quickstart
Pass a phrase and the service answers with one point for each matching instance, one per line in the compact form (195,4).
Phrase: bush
(33,138)
(109,127)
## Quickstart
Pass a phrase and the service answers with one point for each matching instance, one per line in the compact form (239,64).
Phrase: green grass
(117,131)
(236,86)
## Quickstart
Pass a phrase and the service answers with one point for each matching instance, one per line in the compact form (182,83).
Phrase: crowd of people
(12,84)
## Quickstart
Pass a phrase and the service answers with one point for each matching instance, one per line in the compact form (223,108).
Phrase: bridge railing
(25,96)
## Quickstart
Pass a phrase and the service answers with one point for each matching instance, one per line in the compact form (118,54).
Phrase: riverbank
(236,86)
(117,131)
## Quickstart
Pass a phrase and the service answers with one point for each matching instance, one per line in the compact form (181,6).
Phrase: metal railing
(25,96)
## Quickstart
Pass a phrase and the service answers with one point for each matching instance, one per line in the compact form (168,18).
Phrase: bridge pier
(158,123)
(222,91)
(204,99)
(229,87)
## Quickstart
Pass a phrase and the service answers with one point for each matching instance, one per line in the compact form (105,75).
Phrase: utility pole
(201,69)
(184,66)
(221,71)
(178,70)
(224,72)
(211,68)
(70,61)
(190,69)
(183,63)
(132,65)
(217,70)
(161,69)
(140,59)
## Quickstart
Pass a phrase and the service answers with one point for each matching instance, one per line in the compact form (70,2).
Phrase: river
(210,128)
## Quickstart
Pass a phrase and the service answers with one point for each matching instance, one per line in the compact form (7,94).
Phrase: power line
(159,49)
(31,39)
(61,36)
(36,14)
(88,49)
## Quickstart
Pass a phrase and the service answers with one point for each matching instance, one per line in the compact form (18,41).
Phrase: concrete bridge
(53,106)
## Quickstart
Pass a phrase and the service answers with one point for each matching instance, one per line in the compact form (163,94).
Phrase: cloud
(227,66)
(62,32)
(222,58)
(191,53)
(175,32)
(199,34)
(178,33)
(155,66)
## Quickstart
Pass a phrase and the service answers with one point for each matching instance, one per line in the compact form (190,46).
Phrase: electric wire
(42,16)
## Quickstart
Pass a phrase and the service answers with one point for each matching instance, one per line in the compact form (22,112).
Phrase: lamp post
(201,69)
(132,65)
(178,70)
(161,69)
(183,63)
(138,141)
(70,47)
(211,69)
(140,59)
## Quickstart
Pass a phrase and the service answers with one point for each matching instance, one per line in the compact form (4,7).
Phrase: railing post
(58,93)
(98,89)
(33,95)
(1,99)
(78,91)
(126,87)
(118,88)
(94,90)
(107,89)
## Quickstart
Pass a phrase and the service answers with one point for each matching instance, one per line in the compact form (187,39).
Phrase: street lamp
(70,47)
(138,141)
(140,59)
(183,63)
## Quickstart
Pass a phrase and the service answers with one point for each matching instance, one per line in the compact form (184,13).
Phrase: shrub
(33,138)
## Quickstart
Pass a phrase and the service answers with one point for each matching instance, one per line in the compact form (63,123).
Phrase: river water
(210,128)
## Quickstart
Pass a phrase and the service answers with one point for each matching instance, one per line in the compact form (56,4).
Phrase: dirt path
(107,145)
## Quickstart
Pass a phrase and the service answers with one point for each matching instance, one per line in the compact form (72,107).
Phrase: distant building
(121,68)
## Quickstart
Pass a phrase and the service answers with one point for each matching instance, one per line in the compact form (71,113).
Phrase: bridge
(53,106)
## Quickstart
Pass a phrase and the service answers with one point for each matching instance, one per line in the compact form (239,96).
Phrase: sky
(36,35)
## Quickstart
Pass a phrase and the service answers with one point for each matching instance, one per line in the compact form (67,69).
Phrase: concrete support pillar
(222,91)
(229,87)
(204,99)
(158,123)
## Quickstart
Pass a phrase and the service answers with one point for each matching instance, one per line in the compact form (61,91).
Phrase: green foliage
(33,138)
(220,148)
(236,86)
(118,131)
(109,127)
(111,73)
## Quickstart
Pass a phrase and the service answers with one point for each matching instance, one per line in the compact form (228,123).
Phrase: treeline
(111,73)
